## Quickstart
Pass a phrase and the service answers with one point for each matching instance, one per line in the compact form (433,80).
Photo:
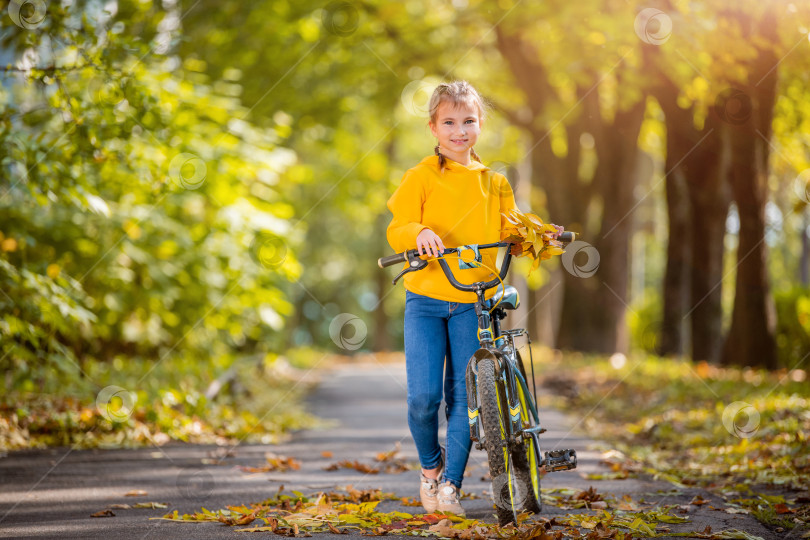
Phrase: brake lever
(414,264)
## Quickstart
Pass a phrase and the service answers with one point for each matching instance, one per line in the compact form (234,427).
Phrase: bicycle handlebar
(391,260)
(567,237)
(412,258)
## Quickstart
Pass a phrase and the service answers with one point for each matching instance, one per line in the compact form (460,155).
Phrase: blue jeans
(436,330)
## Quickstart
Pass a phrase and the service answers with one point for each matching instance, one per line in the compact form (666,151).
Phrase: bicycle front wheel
(526,458)
(492,404)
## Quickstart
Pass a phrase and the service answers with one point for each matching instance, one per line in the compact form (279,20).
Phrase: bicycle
(502,412)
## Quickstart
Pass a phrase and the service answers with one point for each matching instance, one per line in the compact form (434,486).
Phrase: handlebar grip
(391,260)
(567,237)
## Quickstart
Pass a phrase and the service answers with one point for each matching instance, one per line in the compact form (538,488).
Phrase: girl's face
(457,128)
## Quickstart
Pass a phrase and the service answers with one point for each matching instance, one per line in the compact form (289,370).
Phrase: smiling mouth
(458,141)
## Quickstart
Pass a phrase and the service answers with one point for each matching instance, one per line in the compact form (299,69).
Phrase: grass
(739,432)
(157,402)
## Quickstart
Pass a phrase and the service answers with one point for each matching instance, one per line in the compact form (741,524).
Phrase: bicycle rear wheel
(492,404)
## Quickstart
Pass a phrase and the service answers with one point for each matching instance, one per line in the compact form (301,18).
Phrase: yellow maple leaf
(530,236)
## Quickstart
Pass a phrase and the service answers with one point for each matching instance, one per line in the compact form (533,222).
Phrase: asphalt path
(52,493)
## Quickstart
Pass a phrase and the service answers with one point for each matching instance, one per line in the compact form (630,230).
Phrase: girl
(449,198)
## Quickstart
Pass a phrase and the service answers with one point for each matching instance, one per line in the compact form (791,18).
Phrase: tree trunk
(382,338)
(382,282)
(617,225)
(750,340)
(676,273)
(694,271)
(709,201)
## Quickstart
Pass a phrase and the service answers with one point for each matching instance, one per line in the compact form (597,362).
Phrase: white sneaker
(429,489)
(447,500)
(428,492)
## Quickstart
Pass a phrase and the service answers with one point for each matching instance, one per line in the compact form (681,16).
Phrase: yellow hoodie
(462,205)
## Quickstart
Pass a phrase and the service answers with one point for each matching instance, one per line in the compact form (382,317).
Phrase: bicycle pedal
(560,460)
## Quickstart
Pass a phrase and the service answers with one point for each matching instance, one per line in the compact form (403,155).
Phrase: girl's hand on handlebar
(429,243)
(560,230)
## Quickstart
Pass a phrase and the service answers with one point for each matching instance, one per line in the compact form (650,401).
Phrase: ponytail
(442,159)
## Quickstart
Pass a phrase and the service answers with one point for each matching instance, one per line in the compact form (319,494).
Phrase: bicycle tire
(526,458)
(499,457)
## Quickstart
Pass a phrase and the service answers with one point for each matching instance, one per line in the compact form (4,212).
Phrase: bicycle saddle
(511,299)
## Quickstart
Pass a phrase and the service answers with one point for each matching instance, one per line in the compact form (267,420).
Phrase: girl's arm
(406,206)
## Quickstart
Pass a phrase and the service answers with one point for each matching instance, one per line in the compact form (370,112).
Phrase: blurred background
(193,193)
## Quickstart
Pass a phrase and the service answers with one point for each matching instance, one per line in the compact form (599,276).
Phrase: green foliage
(143,216)
(259,403)
(793,326)
(644,322)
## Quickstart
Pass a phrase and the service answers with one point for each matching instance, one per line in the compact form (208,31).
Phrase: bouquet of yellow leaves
(530,236)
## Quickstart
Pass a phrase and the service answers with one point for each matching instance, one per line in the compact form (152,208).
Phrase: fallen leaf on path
(120,506)
(275,463)
(443,528)
(356,465)
(335,529)
(782,508)
(151,504)
(327,454)
(390,455)
(735,511)
(135,493)
(590,495)
(103,513)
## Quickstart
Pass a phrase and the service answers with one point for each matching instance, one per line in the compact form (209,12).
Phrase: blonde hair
(457,93)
